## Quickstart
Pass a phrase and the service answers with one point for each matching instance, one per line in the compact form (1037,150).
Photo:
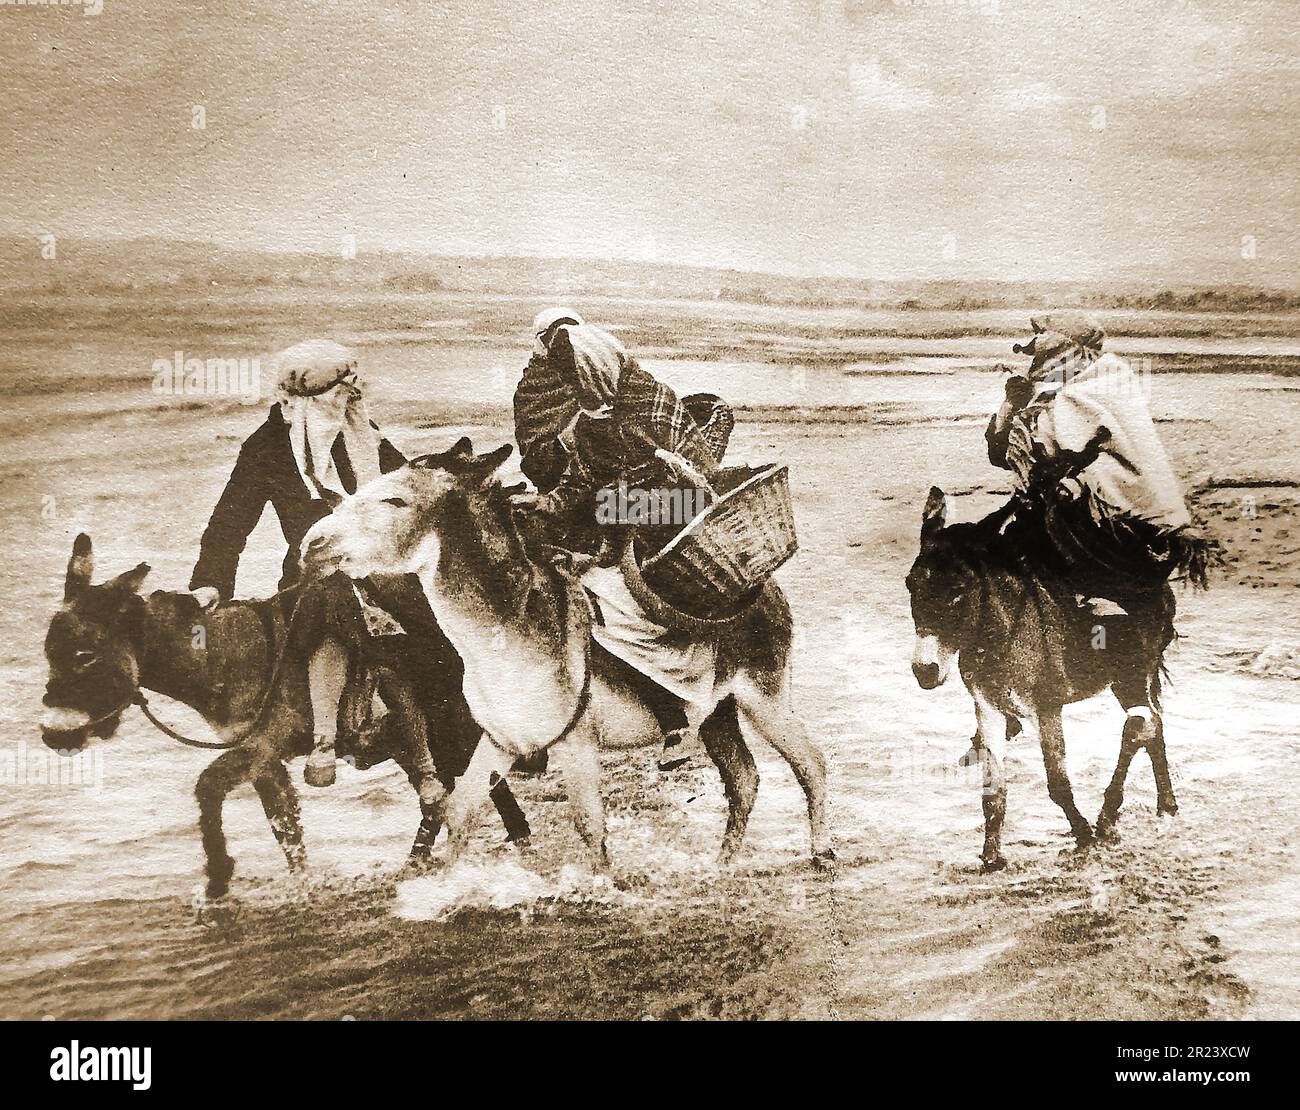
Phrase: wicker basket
(722,558)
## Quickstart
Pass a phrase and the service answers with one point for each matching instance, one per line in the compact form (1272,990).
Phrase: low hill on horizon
(83,266)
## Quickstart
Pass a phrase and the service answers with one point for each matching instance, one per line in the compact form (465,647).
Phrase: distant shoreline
(85,266)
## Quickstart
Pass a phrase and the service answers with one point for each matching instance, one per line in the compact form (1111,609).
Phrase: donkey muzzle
(928,675)
(316,556)
(63,729)
(930,662)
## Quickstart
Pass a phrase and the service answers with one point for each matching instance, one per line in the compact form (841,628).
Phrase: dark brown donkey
(107,642)
(1026,647)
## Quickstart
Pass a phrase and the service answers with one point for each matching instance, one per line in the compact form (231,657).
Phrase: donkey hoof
(825,860)
(419,862)
(219,873)
(996,863)
(1107,832)
(215,913)
(1082,842)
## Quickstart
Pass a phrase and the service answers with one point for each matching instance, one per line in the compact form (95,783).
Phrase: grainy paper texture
(826,220)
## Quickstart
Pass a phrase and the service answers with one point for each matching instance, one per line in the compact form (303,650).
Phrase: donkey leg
(771,717)
(578,757)
(218,779)
(487,766)
(720,735)
(1166,803)
(992,738)
(1150,636)
(280,804)
(1052,739)
(409,733)
(1114,798)
(431,815)
(1134,696)
(1145,728)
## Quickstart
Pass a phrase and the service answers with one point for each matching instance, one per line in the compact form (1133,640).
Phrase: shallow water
(1190,918)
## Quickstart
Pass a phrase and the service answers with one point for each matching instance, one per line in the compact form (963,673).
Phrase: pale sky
(920,138)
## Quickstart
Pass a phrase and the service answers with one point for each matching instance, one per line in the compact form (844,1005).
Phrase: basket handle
(644,437)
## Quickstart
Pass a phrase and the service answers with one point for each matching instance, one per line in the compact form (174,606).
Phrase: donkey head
(390,525)
(93,670)
(941,584)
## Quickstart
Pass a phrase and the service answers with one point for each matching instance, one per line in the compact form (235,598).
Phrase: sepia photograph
(636,511)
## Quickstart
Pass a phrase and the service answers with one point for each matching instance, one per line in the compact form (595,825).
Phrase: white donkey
(532,680)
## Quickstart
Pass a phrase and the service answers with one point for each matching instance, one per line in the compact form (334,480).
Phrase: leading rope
(244,733)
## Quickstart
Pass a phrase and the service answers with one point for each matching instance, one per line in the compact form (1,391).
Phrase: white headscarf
(320,397)
(545,320)
(598,360)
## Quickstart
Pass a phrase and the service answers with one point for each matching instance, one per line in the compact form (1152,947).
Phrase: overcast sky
(1016,139)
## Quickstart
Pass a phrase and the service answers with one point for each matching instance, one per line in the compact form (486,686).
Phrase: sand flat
(1158,926)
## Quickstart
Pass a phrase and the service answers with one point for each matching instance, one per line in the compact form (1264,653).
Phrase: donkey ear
(462,448)
(935,514)
(484,466)
(80,567)
(130,581)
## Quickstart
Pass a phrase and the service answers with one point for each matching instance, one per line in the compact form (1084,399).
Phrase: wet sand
(1185,919)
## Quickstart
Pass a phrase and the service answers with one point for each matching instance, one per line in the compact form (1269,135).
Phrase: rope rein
(247,730)
(208,745)
(580,706)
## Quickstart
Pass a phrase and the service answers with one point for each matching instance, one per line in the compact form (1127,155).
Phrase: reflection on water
(96,920)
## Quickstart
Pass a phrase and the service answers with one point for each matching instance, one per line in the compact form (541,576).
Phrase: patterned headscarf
(1062,345)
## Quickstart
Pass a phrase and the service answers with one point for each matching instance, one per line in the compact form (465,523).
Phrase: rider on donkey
(1098,504)
(588,418)
(317,445)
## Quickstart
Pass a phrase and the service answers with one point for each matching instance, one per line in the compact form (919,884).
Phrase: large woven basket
(722,558)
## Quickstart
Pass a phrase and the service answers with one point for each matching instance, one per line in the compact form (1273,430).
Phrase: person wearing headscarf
(1077,435)
(317,445)
(587,413)
(1097,507)
(588,416)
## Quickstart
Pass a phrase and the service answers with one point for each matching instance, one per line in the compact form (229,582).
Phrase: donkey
(532,678)
(1025,649)
(107,642)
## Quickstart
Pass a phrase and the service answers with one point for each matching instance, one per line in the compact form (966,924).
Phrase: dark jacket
(266,471)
